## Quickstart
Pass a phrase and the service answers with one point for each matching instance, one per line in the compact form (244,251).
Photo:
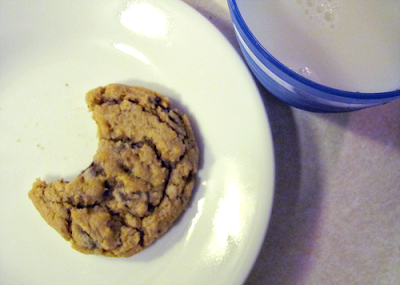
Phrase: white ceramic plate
(51,54)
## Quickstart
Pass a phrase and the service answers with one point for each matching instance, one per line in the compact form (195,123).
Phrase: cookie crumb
(39,146)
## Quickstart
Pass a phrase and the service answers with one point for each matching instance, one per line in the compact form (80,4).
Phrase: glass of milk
(322,55)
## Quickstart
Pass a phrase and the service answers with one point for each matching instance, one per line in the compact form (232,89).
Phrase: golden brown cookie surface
(140,180)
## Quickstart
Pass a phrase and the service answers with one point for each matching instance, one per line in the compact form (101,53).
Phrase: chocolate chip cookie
(139,182)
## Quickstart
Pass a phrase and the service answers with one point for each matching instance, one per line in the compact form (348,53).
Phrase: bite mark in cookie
(140,181)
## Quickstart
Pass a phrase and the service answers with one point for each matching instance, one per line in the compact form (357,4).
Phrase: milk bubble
(322,12)
(305,71)
(320,8)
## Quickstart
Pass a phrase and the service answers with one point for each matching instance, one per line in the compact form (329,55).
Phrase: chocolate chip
(96,169)
(88,241)
(123,196)
(125,168)
(110,184)
(137,145)
(154,100)
(112,102)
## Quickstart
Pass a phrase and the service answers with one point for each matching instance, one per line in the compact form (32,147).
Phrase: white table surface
(336,212)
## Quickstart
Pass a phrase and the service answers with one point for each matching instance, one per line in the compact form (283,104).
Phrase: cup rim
(323,88)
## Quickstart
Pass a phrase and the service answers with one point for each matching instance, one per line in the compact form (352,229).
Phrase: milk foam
(351,45)
(321,11)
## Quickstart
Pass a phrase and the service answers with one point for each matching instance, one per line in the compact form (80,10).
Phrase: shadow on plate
(284,255)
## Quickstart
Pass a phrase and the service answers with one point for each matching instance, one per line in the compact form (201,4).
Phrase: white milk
(351,45)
